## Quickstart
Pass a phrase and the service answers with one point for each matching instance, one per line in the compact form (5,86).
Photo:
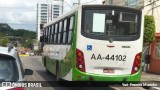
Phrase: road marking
(114,87)
(158,88)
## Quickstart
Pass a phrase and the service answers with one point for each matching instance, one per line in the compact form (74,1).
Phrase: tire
(146,87)
(48,72)
(57,71)
(44,59)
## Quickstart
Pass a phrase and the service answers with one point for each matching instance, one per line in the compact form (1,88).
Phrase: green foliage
(28,43)
(25,35)
(5,29)
(149,29)
(3,40)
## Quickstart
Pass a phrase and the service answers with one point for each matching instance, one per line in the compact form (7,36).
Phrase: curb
(23,54)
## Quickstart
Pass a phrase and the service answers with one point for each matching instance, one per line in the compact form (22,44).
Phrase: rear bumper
(81,76)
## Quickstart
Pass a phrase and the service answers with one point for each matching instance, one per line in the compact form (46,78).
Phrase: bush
(149,29)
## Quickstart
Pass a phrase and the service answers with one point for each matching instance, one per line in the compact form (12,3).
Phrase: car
(11,69)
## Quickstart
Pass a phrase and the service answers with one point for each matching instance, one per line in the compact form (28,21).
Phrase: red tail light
(21,88)
(136,64)
(80,60)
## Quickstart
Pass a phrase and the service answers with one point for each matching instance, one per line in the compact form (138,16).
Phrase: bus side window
(48,34)
(55,34)
(64,31)
(44,35)
(52,34)
(59,33)
(70,32)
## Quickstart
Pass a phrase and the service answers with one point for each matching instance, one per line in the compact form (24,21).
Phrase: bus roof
(76,9)
(62,16)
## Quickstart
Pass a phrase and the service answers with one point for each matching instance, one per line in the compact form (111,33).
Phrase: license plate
(108,70)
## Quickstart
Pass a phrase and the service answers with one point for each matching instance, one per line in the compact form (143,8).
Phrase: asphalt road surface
(35,63)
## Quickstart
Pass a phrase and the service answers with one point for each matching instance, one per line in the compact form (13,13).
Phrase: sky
(21,14)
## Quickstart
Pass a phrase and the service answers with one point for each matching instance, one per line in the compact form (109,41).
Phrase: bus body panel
(95,51)
(96,59)
(81,76)
(65,55)
(62,54)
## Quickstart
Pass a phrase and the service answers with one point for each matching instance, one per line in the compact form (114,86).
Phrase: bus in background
(95,42)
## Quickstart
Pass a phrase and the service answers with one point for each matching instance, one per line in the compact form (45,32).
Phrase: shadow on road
(50,81)
(45,76)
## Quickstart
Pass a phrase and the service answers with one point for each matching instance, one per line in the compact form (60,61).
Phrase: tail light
(17,88)
(136,64)
(80,64)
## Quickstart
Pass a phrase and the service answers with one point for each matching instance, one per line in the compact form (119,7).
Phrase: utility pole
(106,2)
(79,2)
(62,5)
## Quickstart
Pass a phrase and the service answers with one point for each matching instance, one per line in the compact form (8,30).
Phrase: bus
(95,43)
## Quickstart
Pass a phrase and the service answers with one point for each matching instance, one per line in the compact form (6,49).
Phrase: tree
(3,40)
(149,35)
(28,43)
(149,29)
(26,36)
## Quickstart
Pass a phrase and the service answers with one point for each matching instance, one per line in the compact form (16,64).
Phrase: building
(46,12)
(146,5)
(155,4)
(125,3)
(149,7)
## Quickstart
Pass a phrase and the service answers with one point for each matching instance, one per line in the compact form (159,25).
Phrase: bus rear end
(109,44)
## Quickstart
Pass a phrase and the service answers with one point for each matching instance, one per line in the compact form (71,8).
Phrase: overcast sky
(21,14)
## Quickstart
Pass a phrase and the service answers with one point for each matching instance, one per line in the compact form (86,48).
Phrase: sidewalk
(150,77)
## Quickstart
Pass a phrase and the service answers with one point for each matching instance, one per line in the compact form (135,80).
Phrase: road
(35,63)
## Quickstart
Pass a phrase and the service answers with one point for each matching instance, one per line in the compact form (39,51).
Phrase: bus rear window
(111,23)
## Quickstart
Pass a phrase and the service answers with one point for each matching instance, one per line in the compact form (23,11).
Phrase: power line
(158,17)
(149,4)
(68,4)
(152,8)
(142,2)
(89,2)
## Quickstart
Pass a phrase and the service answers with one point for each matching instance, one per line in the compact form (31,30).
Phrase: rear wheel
(47,71)
(44,61)
(146,87)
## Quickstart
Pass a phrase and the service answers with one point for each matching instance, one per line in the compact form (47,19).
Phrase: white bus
(95,42)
